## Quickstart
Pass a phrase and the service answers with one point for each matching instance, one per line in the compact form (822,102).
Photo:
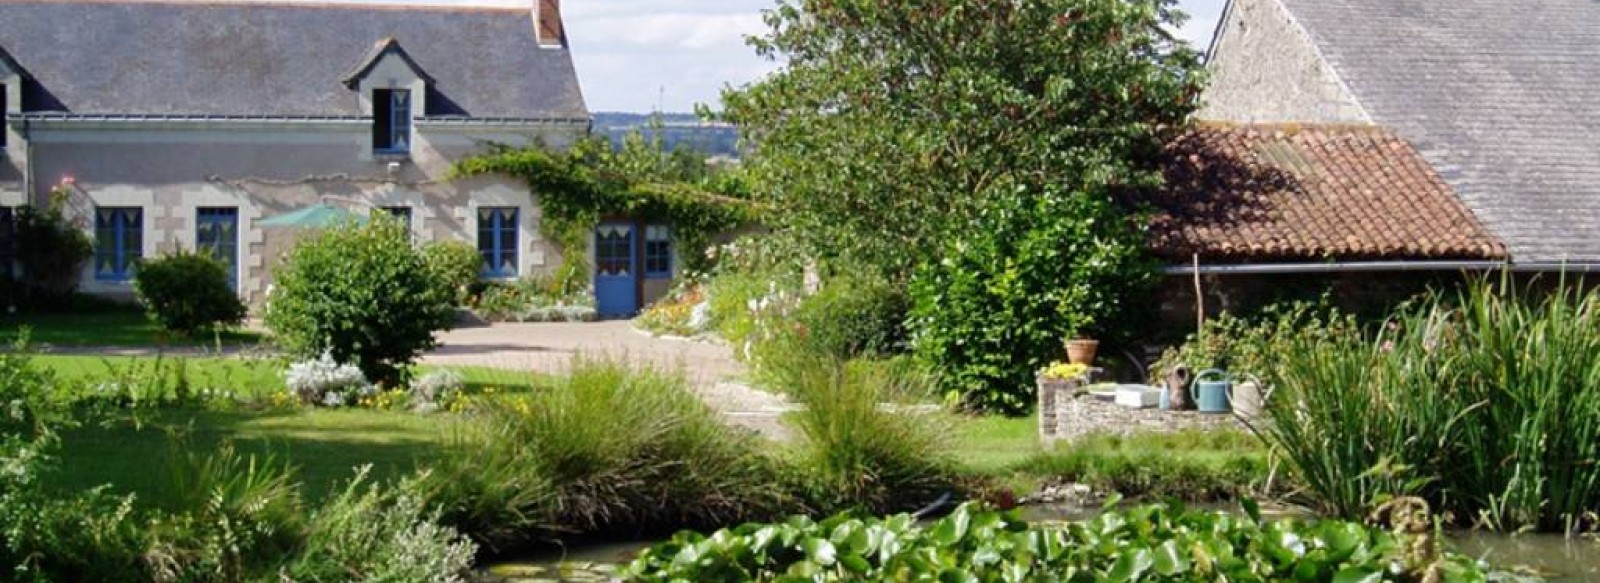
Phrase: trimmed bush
(188,293)
(364,295)
(51,252)
(455,265)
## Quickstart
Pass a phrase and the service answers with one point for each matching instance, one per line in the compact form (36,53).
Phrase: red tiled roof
(1315,192)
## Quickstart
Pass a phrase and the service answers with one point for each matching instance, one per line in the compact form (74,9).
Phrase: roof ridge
(1292,127)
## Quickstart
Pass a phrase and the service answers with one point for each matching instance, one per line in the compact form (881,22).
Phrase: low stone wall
(1067,411)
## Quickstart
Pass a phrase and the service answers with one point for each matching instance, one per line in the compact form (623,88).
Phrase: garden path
(548,348)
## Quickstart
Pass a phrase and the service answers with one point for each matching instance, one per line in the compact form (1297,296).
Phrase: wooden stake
(1199,299)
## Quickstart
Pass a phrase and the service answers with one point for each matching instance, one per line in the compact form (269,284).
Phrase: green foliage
(1150,543)
(867,443)
(1043,267)
(854,315)
(237,515)
(1192,466)
(610,449)
(362,293)
(188,293)
(455,265)
(1250,346)
(998,137)
(540,299)
(641,178)
(371,533)
(1486,403)
(51,253)
(894,125)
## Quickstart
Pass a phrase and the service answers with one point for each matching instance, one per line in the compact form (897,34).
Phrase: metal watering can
(1215,396)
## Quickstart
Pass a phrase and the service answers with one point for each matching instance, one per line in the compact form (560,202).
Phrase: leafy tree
(976,130)
(364,294)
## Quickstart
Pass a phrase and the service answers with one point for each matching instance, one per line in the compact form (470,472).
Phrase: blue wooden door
(216,233)
(616,276)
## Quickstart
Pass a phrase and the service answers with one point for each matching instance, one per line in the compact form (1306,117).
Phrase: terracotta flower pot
(1082,351)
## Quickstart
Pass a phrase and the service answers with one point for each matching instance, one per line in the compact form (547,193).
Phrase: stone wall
(1265,68)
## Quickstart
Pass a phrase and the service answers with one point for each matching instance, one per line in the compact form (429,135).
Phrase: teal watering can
(1212,396)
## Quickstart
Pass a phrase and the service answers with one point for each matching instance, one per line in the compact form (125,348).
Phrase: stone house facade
(180,126)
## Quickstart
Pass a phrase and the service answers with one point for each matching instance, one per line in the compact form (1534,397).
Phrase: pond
(1553,557)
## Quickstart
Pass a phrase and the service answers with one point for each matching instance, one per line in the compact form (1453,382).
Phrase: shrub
(1251,345)
(1486,403)
(370,533)
(1039,268)
(362,294)
(610,449)
(436,388)
(51,251)
(854,316)
(1150,543)
(533,300)
(188,293)
(455,265)
(326,382)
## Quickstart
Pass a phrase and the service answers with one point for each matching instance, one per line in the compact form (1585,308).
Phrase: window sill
(391,155)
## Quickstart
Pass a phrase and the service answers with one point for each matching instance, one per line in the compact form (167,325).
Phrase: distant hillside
(676,129)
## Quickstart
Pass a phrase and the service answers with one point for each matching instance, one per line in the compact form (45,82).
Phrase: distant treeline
(676,129)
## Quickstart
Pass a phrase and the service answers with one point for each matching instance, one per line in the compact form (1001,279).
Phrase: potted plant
(1081,348)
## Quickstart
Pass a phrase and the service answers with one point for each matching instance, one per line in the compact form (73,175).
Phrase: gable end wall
(1265,68)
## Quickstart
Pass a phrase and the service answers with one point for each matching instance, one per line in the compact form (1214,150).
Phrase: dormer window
(394,88)
(391,121)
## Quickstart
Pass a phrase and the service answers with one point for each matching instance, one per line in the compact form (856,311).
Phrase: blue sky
(644,55)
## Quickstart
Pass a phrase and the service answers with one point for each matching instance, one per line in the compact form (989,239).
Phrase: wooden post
(1199,299)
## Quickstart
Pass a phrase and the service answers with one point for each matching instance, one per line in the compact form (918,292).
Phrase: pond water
(1553,557)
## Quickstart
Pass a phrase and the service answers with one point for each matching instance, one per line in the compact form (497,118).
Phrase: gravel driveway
(550,347)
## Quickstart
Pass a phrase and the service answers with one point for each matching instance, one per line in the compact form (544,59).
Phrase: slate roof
(1289,193)
(1499,95)
(144,58)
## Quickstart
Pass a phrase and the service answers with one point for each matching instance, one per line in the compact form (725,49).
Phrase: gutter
(1340,267)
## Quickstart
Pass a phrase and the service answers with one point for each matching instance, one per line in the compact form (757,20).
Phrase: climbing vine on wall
(578,186)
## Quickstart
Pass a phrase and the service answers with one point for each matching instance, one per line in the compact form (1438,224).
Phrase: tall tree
(980,145)
(892,122)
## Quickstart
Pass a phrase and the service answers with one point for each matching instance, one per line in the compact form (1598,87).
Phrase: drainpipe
(1338,267)
(27,162)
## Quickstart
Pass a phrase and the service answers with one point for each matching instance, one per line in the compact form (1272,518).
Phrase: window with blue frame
(391,121)
(118,242)
(497,241)
(657,252)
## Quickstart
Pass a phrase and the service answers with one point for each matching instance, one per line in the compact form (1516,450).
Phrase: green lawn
(121,328)
(132,455)
(325,445)
(246,377)
(991,445)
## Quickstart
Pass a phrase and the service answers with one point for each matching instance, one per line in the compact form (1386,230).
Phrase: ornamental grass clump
(1486,403)
(612,449)
(868,443)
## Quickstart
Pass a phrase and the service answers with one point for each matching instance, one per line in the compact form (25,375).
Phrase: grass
(1192,465)
(119,328)
(253,377)
(326,445)
(131,454)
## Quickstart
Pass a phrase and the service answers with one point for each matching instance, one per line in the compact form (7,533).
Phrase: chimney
(547,23)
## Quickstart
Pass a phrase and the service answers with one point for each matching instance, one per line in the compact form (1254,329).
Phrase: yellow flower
(1063,371)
